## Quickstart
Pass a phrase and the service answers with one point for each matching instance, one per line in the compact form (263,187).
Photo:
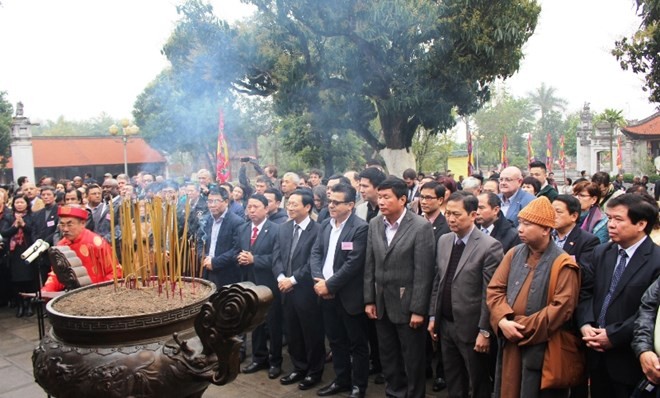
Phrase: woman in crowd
(240,195)
(320,200)
(6,293)
(592,219)
(18,235)
(531,185)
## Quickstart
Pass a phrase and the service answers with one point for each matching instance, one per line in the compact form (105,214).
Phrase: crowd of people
(497,285)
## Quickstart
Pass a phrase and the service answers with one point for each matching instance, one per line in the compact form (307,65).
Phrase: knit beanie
(539,211)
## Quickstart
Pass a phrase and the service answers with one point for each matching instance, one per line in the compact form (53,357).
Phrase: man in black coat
(337,265)
(567,235)
(302,313)
(45,225)
(275,213)
(491,221)
(255,244)
(218,232)
(611,292)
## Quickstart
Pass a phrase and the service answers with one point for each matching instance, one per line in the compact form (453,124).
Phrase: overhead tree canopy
(641,52)
(6,111)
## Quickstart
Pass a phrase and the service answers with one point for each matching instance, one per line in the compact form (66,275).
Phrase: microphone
(35,251)
(32,249)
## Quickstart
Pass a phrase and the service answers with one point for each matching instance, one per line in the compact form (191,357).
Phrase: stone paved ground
(19,336)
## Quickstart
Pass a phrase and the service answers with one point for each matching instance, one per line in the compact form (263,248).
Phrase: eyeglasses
(424,197)
(337,202)
(583,195)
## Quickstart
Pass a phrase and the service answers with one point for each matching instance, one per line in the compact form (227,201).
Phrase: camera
(245,159)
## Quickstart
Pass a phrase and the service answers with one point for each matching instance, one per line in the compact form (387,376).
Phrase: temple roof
(646,128)
(90,151)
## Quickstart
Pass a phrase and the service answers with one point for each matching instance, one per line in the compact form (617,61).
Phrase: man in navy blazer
(568,235)
(216,237)
(612,287)
(255,244)
(302,313)
(513,198)
(337,264)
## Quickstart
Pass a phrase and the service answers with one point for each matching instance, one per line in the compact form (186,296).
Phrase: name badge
(107,216)
(50,223)
(347,245)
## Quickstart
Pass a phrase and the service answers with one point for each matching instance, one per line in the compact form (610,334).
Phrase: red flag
(469,151)
(505,147)
(619,157)
(222,171)
(530,149)
(562,155)
(548,153)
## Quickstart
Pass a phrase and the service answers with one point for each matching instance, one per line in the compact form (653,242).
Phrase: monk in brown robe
(517,298)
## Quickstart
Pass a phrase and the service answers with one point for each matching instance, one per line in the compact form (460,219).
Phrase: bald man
(513,198)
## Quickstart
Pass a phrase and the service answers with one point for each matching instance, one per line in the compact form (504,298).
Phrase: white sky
(79,58)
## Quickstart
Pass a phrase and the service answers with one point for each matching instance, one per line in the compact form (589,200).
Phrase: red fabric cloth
(96,256)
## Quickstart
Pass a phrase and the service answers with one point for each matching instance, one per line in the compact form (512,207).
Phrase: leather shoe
(274,372)
(308,382)
(356,393)
(291,378)
(254,367)
(439,384)
(332,389)
(379,379)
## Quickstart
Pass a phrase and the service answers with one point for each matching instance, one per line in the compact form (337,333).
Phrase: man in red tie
(255,243)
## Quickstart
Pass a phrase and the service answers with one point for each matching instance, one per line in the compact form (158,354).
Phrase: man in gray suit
(466,259)
(397,286)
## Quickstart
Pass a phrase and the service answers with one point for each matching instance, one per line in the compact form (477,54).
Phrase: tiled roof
(647,127)
(84,151)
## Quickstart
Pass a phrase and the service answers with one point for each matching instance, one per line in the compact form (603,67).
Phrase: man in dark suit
(466,260)
(432,194)
(45,225)
(431,198)
(398,275)
(492,222)
(611,292)
(218,234)
(255,244)
(275,213)
(567,235)
(337,264)
(538,170)
(302,314)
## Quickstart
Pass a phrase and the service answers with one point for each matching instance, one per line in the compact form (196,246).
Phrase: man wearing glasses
(337,265)
(513,198)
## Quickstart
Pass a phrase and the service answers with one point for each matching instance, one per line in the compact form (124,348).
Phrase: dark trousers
(402,352)
(304,325)
(602,384)
(272,329)
(347,335)
(464,367)
(374,353)
(430,353)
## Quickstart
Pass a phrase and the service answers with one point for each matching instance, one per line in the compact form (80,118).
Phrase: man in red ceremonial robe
(94,252)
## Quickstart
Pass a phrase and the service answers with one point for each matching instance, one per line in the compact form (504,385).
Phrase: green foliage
(615,119)
(641,52)
(432,150)
(97,126)
(545,101)
(503,115)
(6,111)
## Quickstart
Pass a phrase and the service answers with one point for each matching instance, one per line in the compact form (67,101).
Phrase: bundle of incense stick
(151,251)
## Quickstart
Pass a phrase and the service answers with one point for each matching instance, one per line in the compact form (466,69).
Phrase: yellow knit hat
(539,211)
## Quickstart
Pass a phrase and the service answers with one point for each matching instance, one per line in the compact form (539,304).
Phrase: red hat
(76,212)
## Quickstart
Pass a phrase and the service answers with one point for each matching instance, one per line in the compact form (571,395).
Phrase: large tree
(614,118)
(641,51)
(544,100)
(412,62)
(6,111)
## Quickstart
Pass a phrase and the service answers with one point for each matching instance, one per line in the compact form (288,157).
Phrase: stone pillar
(586,159)
(21,145)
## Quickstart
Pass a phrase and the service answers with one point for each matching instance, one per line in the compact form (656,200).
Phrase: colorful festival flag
(222,171)
(562,155)
(469,154)
(505,147)
(530,149)
(619,155)
(548,153)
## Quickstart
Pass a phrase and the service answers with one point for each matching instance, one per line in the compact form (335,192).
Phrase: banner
(530,149)
(470,166)
(562,155)
(222,171)
(548,153)
(619,157)
(505,147)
